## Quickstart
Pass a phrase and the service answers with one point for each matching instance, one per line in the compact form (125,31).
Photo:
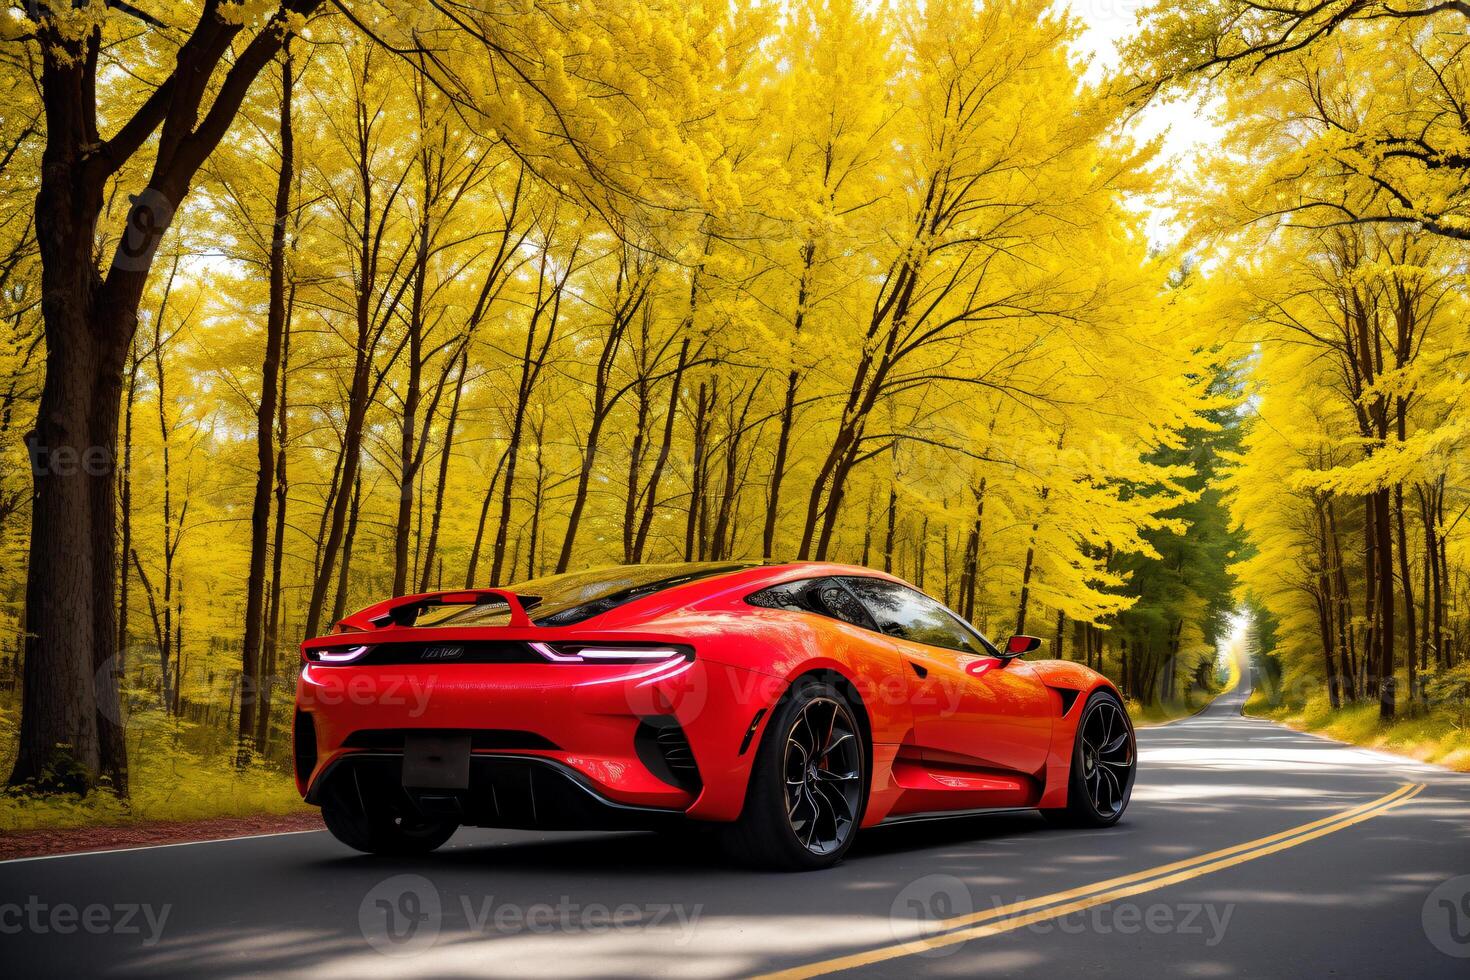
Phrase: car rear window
(569,598)
(823,596)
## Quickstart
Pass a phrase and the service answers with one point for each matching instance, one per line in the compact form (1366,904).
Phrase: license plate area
(436,761)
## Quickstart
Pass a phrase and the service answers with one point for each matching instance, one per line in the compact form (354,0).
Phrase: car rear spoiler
(405,610)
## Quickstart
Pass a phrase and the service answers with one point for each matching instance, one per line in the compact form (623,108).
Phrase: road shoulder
(79,840)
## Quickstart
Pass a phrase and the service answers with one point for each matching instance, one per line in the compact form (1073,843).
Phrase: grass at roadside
(1436,735)
(1146,715)
(172,780)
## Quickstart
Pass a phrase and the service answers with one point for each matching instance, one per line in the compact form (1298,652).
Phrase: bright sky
(1184,126)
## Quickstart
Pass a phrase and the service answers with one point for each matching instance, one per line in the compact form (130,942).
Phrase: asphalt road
(1324,872)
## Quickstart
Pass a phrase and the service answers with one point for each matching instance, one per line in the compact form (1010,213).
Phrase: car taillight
(337,655)
(591,653)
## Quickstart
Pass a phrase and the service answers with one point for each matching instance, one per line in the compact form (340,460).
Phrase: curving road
(1248,851)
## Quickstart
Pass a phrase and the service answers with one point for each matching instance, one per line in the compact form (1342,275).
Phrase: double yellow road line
(1018,915)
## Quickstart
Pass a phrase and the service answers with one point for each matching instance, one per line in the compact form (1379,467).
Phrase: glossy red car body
(947,731)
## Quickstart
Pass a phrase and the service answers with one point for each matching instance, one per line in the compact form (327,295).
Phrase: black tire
(807,821)
(1104,765)
(382,831)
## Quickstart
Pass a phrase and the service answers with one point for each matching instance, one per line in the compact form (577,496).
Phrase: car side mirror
(1018,645)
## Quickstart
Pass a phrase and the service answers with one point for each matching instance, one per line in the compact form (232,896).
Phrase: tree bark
(70,733)
(666,444)
(533,359)
(270,643)
(339,605)
(265,421)
(430,550)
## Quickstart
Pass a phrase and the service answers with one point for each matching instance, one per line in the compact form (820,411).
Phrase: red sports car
(791,704)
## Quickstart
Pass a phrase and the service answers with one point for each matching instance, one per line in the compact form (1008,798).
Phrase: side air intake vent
(663,747)
(303,748)
(1068,696)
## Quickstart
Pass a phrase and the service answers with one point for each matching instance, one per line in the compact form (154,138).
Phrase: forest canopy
(306,304)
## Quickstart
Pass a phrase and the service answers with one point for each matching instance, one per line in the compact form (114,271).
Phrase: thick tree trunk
(70,732)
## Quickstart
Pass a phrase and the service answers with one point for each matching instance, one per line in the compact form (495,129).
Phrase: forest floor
(1437,736)
(180,774)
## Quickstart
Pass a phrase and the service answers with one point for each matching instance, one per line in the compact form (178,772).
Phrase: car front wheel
(1104,763)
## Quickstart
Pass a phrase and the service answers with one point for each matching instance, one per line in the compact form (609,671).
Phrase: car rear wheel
(1104,763)
(808,785)
(382,830)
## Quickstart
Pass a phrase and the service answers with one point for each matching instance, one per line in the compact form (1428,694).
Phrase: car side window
(911,615)
(823,596)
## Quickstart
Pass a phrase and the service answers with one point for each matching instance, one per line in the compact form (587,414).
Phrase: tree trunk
(666,444)
(472,567)
(697,475)
(265,421)
(890,526)
(430,549)
(1324,602)
(1383,531)
(125,508)
(1412,637)
(339,605)
(70,731)
(788,407)
(270,643)
(532,361)
(409,456)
